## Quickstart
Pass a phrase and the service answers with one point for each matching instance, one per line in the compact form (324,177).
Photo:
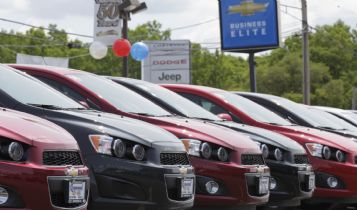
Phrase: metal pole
(125,36)
(354,92)
(253,81)
(305,53)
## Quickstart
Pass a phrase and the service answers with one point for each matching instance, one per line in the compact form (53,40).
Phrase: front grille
(62,158)
(174,159)
(58,200)
(252,160)
(301,159)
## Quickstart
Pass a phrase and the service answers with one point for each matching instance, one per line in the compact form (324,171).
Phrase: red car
(333,157)
(230,169)
(40,165)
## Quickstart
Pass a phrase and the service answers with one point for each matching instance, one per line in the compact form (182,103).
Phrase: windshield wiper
(47,106)
(75,109)
(326,127)
(204,119)
(142,114)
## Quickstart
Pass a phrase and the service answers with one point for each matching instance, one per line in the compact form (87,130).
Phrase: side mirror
(225,116)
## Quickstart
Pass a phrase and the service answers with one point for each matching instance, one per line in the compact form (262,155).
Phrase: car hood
(33,130)
(195,129)
(116,125)
(323,137)
(265,136)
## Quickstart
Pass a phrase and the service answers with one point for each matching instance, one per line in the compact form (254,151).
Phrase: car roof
(55,69)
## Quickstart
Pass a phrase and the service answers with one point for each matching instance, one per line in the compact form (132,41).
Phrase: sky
(76,16)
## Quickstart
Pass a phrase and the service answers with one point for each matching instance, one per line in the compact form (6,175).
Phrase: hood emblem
(183,171)
(71,171)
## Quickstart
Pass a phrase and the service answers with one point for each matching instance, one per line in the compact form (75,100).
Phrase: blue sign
(249,25)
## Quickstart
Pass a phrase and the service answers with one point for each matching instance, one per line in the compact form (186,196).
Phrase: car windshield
(181,104)
(31,91)
(119,96)
(352,115)
(314,118)
(334,121)
(254,110)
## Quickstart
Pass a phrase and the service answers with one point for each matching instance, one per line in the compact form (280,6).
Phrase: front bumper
(345,192)
(30,186)
(292,184)
(134,185)
(237,184)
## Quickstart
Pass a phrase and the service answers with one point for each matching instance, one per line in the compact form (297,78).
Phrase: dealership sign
(107,22)
(168,62)
(249,25)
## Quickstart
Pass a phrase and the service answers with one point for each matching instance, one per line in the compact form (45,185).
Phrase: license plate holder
(186,187)
(311,182)
(263,187)
(76,191)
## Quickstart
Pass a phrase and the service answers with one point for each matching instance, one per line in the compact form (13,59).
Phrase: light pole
(126,8)
(305,53)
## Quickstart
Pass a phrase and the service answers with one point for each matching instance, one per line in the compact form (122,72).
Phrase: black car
(133,165)
(292,176)
(303,115)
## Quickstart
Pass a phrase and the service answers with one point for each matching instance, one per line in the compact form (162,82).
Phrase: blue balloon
(139,51)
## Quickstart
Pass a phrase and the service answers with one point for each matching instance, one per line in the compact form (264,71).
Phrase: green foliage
(333,63)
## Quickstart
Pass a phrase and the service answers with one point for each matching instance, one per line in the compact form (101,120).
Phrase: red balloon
(121,47)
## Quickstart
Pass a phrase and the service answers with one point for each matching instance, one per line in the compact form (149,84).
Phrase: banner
(249,25)
(38,60)
(168,62)
(107,22)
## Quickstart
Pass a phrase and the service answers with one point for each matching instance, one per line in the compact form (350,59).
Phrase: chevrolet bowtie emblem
(248,8)
(72,171)
(183,171)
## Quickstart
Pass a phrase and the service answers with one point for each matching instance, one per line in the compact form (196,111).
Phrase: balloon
(98,50)
(121,47)
(139,51)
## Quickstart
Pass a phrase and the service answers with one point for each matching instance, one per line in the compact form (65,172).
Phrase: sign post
(250,26)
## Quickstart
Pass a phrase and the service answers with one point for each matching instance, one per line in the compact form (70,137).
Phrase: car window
(332,121)
(179,103)
(121,97)
(209,105)
(28,90)
(65,89)
(254,110)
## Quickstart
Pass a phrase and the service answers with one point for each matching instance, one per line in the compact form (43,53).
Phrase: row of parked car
(70,139)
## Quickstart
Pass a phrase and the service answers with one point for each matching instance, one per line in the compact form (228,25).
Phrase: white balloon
(98,50)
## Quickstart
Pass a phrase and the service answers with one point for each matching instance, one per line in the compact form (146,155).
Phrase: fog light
(4,196)
(212,187)
(332,182)
(273,184)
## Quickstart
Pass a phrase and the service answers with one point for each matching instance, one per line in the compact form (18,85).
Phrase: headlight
(325,152)
(138,152)
(13,151)
(265,150)
(119,148)
(106,145)
(315,149)
(16,151)
(102,144)
(340,156)
(278,154)
(205,150)
(222,154)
